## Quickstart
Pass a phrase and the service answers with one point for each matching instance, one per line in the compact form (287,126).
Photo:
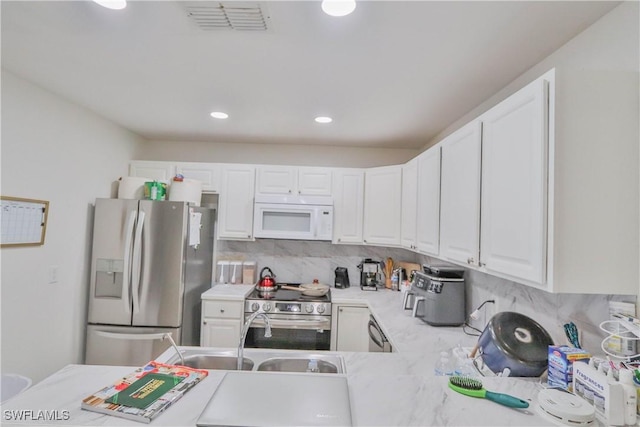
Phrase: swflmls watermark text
(36,415)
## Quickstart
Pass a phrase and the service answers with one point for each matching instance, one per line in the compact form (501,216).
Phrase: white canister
(187,190)
(249,269)
(131,187)
(235,272)
(222,275)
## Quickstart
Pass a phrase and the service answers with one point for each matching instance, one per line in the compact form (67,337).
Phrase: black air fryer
(342,278)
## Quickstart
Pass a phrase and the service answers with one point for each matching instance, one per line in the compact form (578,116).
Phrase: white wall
(56,151)
(273,154)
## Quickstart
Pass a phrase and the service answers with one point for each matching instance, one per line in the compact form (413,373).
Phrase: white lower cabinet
(222,323)
(350,328)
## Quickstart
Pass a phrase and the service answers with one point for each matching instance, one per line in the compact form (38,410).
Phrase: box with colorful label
(560,360)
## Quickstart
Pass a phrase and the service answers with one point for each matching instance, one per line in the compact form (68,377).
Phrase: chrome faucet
(245,330)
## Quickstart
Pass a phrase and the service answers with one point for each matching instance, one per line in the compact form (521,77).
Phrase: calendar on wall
(24,221)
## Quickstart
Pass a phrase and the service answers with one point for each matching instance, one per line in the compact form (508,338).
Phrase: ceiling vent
(235,15)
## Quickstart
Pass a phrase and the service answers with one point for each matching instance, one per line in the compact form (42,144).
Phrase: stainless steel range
(298,322)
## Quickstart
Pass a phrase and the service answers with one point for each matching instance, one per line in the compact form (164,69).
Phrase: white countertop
(385,389)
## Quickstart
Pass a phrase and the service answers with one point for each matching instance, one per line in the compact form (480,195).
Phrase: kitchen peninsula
(385,388)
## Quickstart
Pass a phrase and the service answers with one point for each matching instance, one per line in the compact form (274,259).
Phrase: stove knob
(309,309)
(255,306)
(320,309)
(266,306)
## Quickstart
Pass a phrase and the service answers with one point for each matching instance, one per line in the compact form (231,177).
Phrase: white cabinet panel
(275,180)
(428,202)
(460,195)
(160,171)
(235,220)
(348,205)
(207,173)
(409,204)
(221,323)
(382,198)
(514,179)
(352,328)
(313,181)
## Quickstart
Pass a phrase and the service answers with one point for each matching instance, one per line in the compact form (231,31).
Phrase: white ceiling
(392,74)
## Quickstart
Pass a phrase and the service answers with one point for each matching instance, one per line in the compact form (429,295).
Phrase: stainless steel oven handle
(324,324)
(379,343)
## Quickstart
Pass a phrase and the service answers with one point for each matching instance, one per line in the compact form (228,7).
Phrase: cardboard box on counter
(560,360)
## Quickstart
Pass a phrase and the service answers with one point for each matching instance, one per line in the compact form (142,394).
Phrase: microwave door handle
(137,259)
(126,269)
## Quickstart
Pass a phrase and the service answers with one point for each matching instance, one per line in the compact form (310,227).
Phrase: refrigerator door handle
(137,260)
(119,336)
(126,273)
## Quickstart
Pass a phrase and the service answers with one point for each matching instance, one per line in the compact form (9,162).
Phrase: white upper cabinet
(409,204)
(235,219)
(285,180)
(428,202)
(514,185)
(382,209)
(314,181)
(160,171)
(460,195)
(348,205)
(207,173)
(275,179)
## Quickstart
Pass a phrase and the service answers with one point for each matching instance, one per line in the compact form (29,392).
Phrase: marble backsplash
(302,261)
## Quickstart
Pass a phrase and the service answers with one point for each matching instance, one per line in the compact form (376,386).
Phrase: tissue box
(560,360)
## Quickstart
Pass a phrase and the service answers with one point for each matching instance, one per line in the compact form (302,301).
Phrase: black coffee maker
(342,278)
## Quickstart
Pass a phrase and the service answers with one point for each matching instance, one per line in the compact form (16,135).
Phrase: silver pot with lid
(516,342)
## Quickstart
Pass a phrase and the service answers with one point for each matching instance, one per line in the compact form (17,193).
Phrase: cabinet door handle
(222,310)
(471,261)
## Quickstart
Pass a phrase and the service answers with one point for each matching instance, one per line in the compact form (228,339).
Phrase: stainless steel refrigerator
(150,262)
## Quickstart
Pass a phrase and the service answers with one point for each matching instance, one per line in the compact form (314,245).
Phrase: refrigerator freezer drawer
(102,350)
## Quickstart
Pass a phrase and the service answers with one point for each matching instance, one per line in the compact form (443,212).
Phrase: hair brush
(472,387)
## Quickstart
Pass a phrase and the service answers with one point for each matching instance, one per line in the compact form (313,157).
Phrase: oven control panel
(288,307)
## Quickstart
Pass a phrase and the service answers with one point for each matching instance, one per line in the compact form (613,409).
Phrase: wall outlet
(53,274)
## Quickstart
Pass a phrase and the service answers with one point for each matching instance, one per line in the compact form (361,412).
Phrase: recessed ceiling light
(112,4)
(338,7)
(323,119)
(219,115)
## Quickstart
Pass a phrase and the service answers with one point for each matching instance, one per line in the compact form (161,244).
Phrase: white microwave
(293,217)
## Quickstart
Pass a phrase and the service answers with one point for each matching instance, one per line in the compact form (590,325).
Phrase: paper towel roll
(188,190)
(131,187)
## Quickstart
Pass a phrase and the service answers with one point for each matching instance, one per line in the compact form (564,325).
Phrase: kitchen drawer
(222,309)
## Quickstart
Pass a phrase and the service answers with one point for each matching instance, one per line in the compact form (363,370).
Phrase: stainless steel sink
(260,360)
(208,361)
(298,365)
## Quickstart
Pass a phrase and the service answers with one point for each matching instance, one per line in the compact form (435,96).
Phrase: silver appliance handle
(407,301)
(379,342)
(137,259)
(144,336)
(416,304)
(126,268)
(314,323)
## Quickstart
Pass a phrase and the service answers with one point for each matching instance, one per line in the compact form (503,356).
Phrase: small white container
(249,269)
(222,275)
(235,272)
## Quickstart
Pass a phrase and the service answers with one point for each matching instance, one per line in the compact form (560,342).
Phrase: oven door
(291,332)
